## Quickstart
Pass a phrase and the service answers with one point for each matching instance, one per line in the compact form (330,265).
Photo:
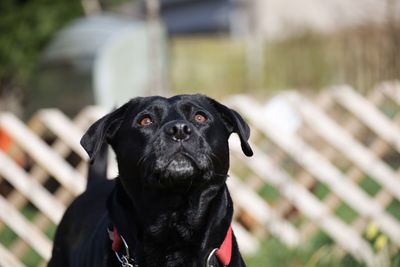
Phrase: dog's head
(169,141)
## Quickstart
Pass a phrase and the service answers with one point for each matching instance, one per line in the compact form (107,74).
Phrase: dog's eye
(145,121)
(200,118)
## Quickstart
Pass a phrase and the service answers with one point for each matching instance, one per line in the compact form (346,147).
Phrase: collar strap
(116,239)
(117,242)
(224,252)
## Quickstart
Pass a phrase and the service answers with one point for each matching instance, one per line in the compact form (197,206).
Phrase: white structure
(121,55)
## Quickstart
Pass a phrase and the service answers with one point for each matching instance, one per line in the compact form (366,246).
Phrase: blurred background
(316,80)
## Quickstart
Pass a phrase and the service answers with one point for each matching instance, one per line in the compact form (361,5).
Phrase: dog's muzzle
(180,153)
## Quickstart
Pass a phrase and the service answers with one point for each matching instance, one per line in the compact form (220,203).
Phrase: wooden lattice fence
(337,173)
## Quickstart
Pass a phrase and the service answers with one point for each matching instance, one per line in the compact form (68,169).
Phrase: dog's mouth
(180,168)
(184,163)
(181,165)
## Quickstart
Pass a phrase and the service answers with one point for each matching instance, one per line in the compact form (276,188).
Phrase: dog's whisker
(212,155)
(143,158)
(220,174)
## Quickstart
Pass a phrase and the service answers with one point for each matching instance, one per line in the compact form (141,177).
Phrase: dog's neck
(173,228)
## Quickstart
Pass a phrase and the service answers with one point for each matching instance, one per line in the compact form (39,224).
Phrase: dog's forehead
(175,102)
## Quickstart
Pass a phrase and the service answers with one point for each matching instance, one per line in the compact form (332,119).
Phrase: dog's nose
(178,130)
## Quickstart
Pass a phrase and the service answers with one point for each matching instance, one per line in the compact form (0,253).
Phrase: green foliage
(212,66)
(26,27)
(318,252)
(361,57)
(301,62)
(370,186)
(346,213)
(31,258)
(7,236)
(394,208)
(270,193)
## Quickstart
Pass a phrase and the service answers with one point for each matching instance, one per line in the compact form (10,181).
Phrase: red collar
(223,254)
(116,239)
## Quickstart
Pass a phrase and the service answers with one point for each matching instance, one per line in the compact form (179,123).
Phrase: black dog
(169,206)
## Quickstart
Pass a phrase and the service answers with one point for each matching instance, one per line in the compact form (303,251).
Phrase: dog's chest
(176,226)
(171,241)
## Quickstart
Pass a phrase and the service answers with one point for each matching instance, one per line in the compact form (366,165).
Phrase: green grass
(321,191)
(370,186)
(346,213)
(269,193)
(394,209)
(212,66)
(31,258)
(318,252)
(7,237)
(217,65)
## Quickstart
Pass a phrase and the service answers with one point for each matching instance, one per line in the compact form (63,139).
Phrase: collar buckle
(212,253)
(124,261)
(124,258)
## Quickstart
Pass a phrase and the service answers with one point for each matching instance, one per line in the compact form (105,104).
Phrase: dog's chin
(178,170)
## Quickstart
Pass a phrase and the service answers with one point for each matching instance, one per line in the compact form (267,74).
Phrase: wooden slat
(7,259)
(378,147)
(24,229)
(31,189)
(320,168)
(89,115)
(368,114)
(42,154)
(64,129)
(391,90)
(248,244)
(308,204)
(20,248)
(260,210)
(347,145)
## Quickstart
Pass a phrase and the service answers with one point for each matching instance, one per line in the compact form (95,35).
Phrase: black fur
(170,201)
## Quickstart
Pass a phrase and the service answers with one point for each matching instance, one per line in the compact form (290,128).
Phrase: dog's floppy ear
(102,131)
(235,123)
